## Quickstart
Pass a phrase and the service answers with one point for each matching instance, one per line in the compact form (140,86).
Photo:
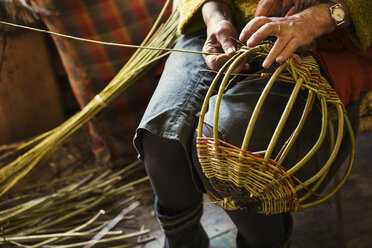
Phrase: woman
(165,140)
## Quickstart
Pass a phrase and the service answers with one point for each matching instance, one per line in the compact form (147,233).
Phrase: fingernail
(279,59)
(265,64)
(248,42)
(230,50)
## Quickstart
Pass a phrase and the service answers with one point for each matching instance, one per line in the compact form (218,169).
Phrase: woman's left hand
(292,32)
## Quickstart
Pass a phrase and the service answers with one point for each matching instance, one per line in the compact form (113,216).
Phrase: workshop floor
(316,227)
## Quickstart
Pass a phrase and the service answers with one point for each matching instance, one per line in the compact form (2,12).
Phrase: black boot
(284,243)
(184,229)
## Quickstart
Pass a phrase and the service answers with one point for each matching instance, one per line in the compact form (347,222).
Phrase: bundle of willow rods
(71,216)
(161,36)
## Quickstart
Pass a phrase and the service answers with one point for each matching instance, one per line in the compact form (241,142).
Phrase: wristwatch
(337,13)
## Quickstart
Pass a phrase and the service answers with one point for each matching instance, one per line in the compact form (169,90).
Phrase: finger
(252,27)
(241,67)
(226,42)
(288,51)
(215,62)
(269,29)
(211,46)
(279,45)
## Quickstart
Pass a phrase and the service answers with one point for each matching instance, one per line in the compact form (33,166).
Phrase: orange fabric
(348,68)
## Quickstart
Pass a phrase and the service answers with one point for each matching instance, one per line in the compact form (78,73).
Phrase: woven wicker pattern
(258,183)
(308,69)
(262,185)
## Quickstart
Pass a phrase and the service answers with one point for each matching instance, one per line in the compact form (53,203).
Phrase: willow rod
(258,107)
(102,241)
(76,229)
(106,43)
(283,119)
(31,238)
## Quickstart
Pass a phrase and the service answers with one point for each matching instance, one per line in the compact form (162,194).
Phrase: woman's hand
(220,32)
(292,32)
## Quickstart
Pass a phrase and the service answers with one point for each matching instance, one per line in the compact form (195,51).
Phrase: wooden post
(29,99)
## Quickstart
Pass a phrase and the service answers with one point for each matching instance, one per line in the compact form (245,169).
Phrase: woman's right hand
(220,31)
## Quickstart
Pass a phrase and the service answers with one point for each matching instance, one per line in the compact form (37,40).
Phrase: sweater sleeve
(191,18)
(361,15)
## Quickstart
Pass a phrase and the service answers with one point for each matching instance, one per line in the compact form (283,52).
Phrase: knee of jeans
(149,146)
(146,138)
(159,151)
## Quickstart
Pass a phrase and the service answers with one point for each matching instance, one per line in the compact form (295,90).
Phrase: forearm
(220,34)
(213,11)
(191,18)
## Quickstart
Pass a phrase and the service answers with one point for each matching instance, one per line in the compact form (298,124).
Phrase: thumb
(227,44)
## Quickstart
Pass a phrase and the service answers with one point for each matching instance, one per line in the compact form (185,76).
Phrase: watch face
(338,14)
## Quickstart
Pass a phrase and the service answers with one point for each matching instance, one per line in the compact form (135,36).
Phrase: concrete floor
(315,227)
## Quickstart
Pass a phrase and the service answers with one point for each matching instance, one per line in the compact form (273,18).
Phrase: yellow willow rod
(103,42)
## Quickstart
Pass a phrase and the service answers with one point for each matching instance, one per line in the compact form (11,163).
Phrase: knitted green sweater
(242,11)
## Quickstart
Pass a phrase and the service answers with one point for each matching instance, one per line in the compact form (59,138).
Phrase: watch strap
(332,6)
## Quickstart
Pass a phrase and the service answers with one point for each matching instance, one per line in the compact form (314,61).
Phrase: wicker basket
(248,180)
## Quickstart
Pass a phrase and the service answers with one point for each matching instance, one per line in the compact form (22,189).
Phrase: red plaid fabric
(90,67)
